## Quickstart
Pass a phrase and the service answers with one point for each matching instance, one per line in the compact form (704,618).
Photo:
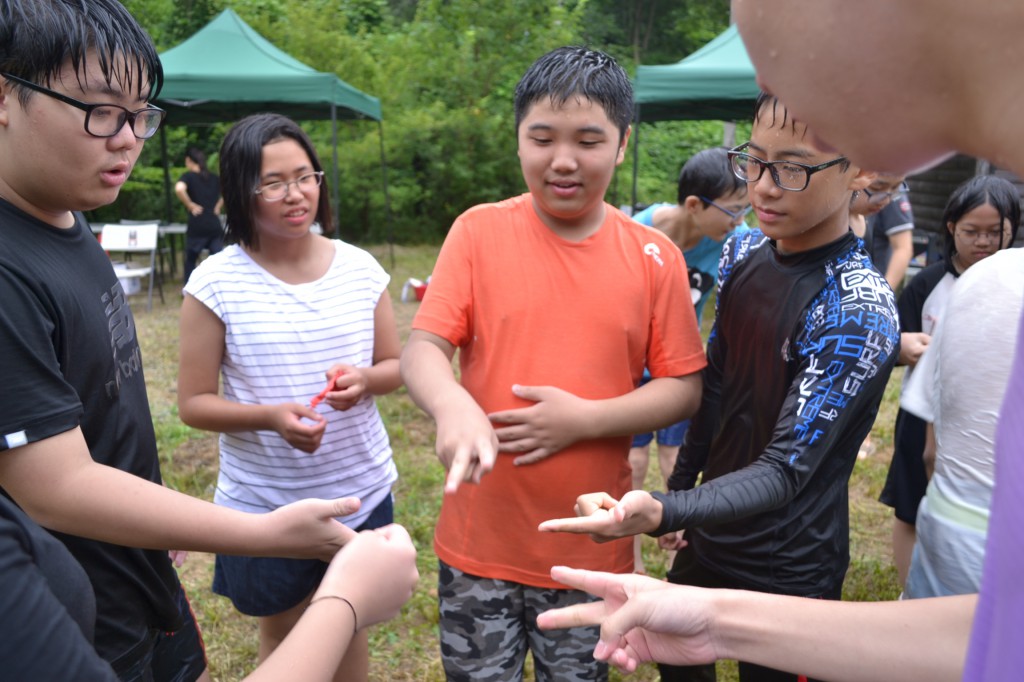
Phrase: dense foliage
(444,71)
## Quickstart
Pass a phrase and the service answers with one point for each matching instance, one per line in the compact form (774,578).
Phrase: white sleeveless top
(280,339)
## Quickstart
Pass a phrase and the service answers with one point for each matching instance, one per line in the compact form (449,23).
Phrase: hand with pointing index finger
(604,518)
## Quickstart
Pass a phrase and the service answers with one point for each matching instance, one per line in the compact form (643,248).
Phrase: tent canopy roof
(227,70)
(716,82)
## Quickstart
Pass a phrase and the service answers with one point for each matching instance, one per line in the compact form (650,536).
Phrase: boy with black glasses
(77,447)
(805,337)
(711,203)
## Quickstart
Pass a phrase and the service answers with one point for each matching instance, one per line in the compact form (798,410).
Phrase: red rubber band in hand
(319,397)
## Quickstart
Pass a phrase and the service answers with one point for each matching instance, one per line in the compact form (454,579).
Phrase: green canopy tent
(226,71)
(717,82)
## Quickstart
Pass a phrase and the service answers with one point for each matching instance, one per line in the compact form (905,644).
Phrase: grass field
(406,649)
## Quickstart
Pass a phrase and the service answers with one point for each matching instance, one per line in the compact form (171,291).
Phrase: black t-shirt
(205,191)
(798,360)
(48,607)
(897,216)
(69,357)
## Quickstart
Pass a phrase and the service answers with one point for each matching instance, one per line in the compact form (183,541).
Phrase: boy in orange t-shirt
(556,301)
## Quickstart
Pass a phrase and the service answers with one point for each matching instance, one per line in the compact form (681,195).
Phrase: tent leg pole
(335,191)
(167,175)
(636,155)
(387,199)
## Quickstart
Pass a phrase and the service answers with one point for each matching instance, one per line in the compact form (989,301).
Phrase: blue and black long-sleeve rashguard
(798,360)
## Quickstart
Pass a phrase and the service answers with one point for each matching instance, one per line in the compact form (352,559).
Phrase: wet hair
(980,190)
(708,173)
(577,72)
(39,38)
(241,163)
(199,158)
(780,116)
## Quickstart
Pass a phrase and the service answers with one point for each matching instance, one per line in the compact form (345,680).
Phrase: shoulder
(507,209)
(354,257)
(646,216)
(1003,269)
(222,266)
(927,278)
(739,245)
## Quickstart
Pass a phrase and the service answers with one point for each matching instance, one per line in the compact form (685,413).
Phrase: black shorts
(907,481)
(178,656)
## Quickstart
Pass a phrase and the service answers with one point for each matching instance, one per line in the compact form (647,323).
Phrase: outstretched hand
(376,572)
(308,529)
(604,518)
(286,419)
(556,420)
(642,619)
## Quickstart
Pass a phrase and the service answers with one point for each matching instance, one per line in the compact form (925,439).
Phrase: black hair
(577,72)
(38,38)
(779,111)
(708,174)
(980,190)
(241,163)
(198,157)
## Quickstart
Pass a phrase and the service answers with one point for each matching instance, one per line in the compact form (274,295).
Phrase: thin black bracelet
(355,618)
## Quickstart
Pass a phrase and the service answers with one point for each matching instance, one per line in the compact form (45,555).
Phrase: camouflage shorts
(487,626)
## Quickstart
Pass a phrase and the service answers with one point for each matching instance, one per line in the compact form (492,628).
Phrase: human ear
(692,203)
(951,227)
(5,98)
(862,179)
(621,156)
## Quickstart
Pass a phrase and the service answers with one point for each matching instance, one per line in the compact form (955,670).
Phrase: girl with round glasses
(981,218)
(281,315)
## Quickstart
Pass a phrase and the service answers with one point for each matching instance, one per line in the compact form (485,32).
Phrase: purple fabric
(996,653)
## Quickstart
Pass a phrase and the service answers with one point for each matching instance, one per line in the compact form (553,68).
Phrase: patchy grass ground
(406,648)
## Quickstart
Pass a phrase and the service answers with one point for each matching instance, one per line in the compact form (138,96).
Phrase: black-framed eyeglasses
(275,191)
(105,120)
(788,175)
(735,215)
(880,197)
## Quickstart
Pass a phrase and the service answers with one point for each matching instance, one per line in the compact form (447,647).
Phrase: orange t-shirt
(527,307)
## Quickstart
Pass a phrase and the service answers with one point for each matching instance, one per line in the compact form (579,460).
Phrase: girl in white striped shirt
(279,315)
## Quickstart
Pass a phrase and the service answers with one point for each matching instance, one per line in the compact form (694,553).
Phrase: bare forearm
(654,405)
(315,646)
(211,412)
(383,377)
(902,253)
(110,505)
(920,639)
(427,373)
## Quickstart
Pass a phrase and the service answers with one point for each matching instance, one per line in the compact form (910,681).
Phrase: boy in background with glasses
(711,203)
(78,451)
(805,337)
(889,235)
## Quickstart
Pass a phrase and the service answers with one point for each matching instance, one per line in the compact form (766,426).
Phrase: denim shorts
(267,586)
(670,435)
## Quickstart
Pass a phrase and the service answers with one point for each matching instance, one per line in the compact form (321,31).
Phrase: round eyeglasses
(735,215)
(791,176)
(275,191)
(891,195)
(974,236)
(105,120)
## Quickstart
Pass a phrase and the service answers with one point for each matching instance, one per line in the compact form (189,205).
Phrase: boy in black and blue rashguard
(805,337)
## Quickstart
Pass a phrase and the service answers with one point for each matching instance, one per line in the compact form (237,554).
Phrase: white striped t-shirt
(280,339)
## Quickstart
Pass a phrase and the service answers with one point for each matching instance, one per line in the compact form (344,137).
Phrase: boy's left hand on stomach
(554,422)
